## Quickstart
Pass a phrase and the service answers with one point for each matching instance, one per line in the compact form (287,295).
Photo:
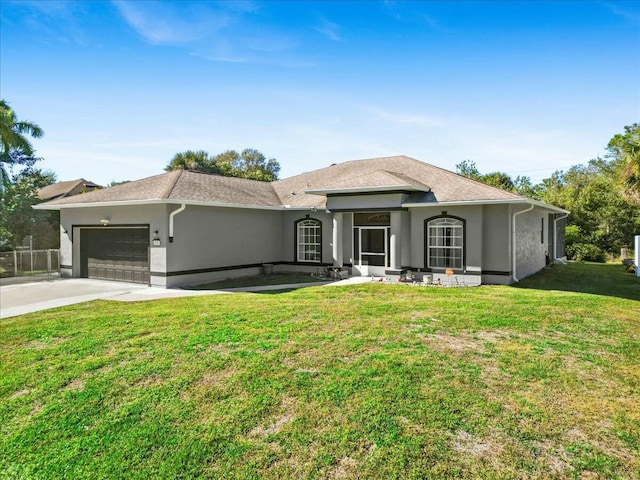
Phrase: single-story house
(381,217)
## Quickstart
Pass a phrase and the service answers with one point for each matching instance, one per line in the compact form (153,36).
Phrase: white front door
(371,250)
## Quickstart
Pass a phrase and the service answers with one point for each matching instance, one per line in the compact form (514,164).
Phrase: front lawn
(364,381)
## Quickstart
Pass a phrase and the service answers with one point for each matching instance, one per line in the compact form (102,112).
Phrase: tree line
(603,196)
(250,163)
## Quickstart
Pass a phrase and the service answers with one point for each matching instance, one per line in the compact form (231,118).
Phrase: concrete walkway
(18,298)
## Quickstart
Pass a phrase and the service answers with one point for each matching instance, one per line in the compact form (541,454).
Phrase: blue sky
(120,87)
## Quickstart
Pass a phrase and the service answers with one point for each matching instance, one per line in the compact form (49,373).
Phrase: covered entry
(371,242)
(115,253)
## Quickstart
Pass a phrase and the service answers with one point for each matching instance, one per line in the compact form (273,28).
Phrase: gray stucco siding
(213,237)
(73,220)
(496,245)
(288,240)
(531,241)
(473,237)
(365,202)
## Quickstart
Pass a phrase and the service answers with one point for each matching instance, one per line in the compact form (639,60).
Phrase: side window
(445,243)
(309,240)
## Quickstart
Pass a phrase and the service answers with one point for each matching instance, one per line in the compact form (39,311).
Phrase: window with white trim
(309,240)
(445,243)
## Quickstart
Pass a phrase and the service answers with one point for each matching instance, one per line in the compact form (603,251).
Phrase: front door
(371,245)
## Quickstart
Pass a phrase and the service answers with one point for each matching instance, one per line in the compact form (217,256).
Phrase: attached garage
(115,253)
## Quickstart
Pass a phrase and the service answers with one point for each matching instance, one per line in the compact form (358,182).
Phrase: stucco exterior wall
(473,216)
(211,237)
(496,244)
(531,241)
(356,202)
(72,220)
(288,238)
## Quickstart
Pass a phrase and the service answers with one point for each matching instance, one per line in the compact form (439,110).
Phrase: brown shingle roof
(181,185)
(377,179)
(400,172)
(65,189)
(446,186)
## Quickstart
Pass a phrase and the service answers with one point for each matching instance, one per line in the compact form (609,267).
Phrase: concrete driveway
(18,297)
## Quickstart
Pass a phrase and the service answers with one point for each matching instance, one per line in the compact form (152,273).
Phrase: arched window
(445,243)
(309,240)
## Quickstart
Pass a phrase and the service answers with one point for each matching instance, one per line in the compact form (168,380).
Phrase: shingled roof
(399,173)
(66,189)
(184,185)
(445,186)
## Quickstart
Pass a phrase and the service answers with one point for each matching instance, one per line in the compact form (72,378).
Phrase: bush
(585,252)
(572,235)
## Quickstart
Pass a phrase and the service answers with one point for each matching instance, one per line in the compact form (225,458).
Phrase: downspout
(171,215)
(513,239)
(555,235)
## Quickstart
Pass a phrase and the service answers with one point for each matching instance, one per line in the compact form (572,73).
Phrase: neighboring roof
(65,189)
(183,185)
(424,183)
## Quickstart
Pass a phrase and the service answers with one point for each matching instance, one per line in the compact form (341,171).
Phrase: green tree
(525,187)
(249,163)
(498,180)
(625,149)
(19,181)
(192,160)
(18,218)
(15,147)
(521,185)
(467,168)
(591,192)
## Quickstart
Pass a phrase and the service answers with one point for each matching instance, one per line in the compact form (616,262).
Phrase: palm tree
(13,131)
(626,148)
(15,147)
(192,160)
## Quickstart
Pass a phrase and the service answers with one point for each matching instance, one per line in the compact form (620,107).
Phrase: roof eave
(526,201)
(355,190)
(162,201)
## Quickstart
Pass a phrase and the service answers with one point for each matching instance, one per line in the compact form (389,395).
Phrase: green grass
(259,280)
(368,381)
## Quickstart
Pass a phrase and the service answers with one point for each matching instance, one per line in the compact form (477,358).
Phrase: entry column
(395,243)
(338,257)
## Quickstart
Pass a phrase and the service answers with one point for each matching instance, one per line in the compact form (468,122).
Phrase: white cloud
(54,21)
(162,24)
(329,30)
(231,32)
(627,14)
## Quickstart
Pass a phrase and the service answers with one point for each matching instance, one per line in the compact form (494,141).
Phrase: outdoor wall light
(105,221)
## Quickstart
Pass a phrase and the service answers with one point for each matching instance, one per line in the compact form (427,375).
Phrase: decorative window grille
(445,247)
(309,235)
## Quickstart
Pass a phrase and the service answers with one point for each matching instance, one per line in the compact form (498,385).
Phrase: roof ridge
(166,193)
(466,178)
(77,183)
